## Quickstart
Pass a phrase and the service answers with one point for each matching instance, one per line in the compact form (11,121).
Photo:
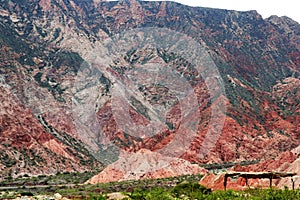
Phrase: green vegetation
(183,187)
(58,179)
(226,165)
(105,81)
(140,108)
(202,193)
(129,186)
(56,33)
(192,190)
(256,194)
(68,58)
(10,38)
(7,160)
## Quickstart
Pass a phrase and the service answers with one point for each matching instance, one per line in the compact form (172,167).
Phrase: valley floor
(183,187)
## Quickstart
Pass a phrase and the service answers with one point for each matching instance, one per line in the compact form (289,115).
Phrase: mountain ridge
(45,43)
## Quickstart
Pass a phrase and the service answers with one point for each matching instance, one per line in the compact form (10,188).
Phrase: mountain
(82,81)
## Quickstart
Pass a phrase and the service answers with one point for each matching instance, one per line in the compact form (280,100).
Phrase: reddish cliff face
(36,134)
(81,81)
(26,146)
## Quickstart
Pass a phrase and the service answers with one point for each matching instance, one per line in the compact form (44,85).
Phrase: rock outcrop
(145,164)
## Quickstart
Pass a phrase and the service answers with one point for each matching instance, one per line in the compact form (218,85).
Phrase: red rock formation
(145,164)
(285,162)
(23,139)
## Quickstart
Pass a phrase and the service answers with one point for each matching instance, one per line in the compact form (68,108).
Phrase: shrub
(158,194)
(26,193)
(98,197)
(192,190)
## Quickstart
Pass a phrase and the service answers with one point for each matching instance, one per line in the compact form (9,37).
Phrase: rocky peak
(288,27)
(284,22)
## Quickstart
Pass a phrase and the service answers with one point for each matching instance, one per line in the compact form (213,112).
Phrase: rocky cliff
(81,81)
